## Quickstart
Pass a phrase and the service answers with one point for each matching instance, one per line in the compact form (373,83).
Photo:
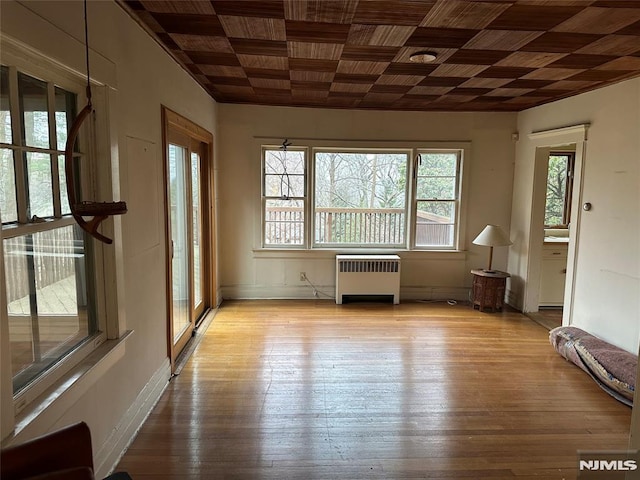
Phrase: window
(437,196)
(284,196)
(48,260)
(360,198)
(557,212)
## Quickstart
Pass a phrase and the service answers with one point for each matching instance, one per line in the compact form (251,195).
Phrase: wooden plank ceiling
(492,55)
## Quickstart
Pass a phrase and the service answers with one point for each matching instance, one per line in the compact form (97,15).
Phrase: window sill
(330,253)
(38,416)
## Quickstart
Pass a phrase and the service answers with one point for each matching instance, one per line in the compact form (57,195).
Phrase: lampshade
(492,236)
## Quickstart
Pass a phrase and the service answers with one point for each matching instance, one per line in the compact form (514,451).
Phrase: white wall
(145,78)
(248,272)
(607,281)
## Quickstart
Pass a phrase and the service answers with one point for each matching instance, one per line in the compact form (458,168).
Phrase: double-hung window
(284,198)
(48,260)
(437,199)
(379,198)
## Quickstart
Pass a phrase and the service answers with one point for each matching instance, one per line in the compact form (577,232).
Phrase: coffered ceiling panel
(490,55)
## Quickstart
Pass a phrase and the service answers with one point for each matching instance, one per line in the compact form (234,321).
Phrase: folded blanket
(613,368)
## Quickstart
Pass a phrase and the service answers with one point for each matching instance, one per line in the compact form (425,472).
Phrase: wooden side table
(488,289)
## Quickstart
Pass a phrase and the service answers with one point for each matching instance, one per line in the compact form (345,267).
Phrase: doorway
(566,144)
(557,221)
(189,220)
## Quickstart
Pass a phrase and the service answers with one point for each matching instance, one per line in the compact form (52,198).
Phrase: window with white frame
(48,260)
(437,198)
(284,196)
(363,198)
(360,198)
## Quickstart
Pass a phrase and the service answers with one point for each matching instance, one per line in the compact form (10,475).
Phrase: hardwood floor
(314,390)
(549,318)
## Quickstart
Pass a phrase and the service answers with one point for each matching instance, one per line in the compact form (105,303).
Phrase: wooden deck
(313,390)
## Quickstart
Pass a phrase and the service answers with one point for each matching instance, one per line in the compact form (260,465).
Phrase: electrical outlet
(303,276)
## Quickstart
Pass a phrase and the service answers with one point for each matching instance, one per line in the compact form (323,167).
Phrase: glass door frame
(180,131)
(199,308)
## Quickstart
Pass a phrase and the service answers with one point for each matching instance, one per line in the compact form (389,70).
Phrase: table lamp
(492,236)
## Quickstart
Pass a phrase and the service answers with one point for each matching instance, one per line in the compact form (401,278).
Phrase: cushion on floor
(613,368)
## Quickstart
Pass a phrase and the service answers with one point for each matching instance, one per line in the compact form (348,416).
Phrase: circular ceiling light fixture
(423,57)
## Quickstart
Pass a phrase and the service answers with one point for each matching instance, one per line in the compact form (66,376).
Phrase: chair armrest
(65,449)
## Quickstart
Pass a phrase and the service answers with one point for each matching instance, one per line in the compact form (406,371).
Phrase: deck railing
(53,253)
(352,226)
(284,226)
(360,226)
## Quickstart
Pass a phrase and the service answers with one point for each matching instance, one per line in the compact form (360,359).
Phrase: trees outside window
(557,212)
(360,198)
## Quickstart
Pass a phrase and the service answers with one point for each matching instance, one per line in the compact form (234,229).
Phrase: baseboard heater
(367,275)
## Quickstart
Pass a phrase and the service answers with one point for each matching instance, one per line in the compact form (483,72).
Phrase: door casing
(543,142)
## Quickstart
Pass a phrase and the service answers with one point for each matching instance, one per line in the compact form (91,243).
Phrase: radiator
(367,275)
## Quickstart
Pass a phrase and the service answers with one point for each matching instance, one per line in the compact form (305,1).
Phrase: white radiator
(367,275)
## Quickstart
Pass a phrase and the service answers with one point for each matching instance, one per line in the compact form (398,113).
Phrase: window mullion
(53,145)
(19,163)
(48,151)
(309,198)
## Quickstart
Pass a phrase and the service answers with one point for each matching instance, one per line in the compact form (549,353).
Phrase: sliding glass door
(187,174)
(180,262)
(197,238)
